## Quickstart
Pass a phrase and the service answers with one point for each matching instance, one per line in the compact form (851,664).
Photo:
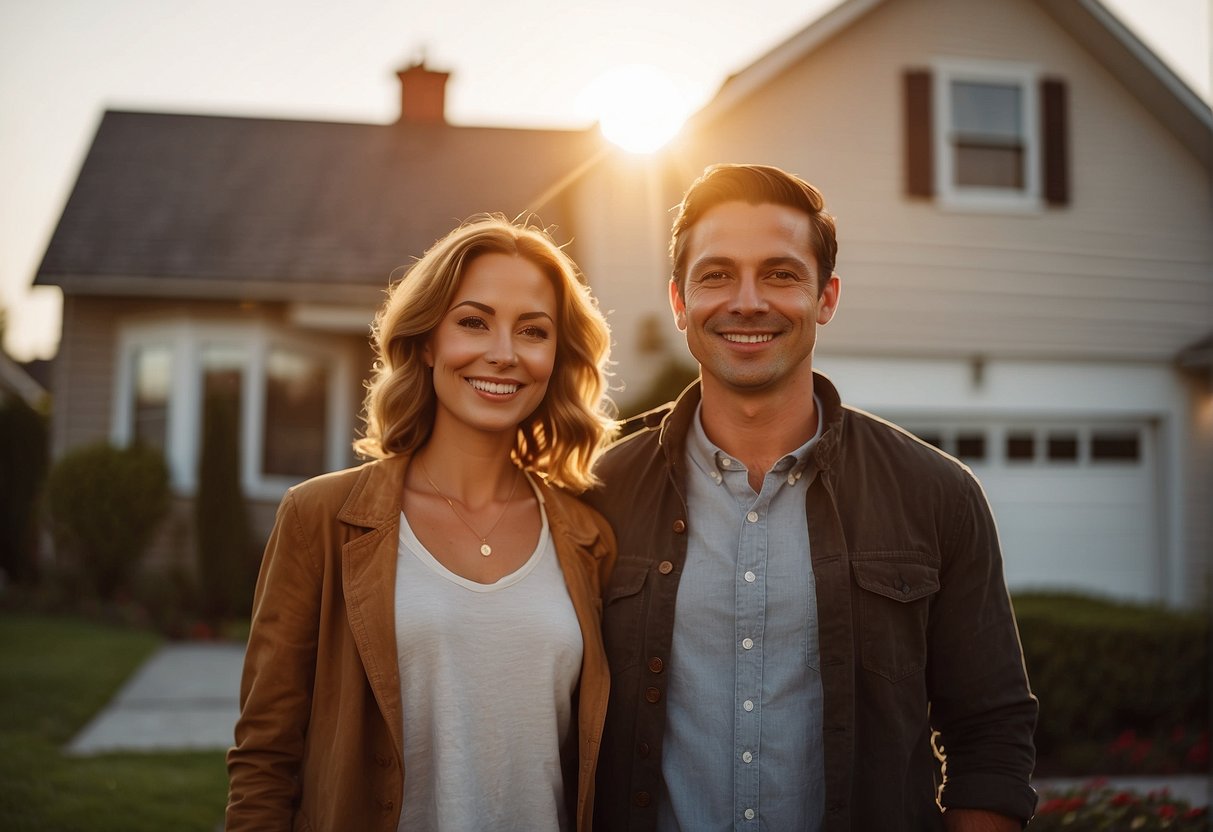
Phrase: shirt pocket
(623,613)
(894,597)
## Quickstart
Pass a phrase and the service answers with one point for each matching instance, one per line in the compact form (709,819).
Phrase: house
(246,257)
(1023,196)
(1026,252)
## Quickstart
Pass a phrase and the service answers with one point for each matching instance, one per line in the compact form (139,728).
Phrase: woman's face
(494,349)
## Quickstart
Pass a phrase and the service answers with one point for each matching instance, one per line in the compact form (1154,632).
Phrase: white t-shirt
(487,675)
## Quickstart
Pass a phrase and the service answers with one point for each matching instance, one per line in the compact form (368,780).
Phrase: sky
(523,63)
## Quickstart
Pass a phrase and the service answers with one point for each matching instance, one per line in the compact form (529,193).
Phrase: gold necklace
(485,548)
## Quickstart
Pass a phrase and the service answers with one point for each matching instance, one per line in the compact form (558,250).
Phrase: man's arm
(979,820)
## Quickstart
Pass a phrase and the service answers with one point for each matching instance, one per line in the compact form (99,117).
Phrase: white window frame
(186,339)
(945,72)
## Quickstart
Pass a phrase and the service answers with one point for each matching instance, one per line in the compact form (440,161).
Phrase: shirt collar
(711,460)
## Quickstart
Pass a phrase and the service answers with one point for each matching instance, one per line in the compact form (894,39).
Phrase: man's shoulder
(875,438)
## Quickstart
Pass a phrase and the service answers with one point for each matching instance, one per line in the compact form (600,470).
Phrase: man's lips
(748,337)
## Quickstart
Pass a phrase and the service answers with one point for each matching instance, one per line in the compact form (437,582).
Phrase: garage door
(1076,502)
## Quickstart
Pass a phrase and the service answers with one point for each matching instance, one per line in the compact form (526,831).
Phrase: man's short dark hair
(755,185)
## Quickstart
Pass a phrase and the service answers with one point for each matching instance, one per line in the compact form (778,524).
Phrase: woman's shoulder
(583,522)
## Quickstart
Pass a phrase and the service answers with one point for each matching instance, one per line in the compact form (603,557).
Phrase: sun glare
(638,107)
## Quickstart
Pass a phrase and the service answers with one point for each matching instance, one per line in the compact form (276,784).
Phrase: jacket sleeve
(276,688)
(981,704)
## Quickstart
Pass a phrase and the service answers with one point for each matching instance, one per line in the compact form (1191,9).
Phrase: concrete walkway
(186,697)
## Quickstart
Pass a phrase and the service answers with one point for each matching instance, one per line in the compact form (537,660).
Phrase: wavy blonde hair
(565,434)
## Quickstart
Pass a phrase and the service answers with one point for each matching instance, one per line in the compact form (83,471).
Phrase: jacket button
(642,799)
(652,695)
(665,567)
(680,526)
(642,749)
(656,665)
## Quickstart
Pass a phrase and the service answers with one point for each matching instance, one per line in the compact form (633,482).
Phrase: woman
(425,649)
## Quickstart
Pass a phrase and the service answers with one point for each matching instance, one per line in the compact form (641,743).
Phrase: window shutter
(1054,142)
(920,168)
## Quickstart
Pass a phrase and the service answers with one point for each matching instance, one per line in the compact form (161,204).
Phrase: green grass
(55,673)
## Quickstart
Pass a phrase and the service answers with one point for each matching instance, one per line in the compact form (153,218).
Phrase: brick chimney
(422,95)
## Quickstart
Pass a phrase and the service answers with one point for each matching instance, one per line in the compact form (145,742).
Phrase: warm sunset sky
(518,63)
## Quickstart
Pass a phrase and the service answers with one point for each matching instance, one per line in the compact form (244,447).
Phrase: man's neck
(759,428)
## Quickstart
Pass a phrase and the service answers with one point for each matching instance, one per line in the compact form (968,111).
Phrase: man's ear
(677,306)
(827,304)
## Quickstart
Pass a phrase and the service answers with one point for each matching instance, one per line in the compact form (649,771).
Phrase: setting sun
(638,107)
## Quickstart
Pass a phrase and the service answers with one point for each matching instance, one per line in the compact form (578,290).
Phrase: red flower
(1074,803)
(1124,799)
(1125,741)
(1166,811)
(1196,812)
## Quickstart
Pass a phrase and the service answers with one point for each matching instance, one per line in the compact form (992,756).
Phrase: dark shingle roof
(208,200)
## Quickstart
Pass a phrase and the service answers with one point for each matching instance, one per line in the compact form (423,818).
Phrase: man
(804,594)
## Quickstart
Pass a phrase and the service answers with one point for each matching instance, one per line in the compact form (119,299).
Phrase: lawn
(55,673)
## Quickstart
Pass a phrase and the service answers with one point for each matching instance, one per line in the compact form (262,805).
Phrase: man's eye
(783,274)
(713,277)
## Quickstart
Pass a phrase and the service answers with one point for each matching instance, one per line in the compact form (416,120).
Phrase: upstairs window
(986,136)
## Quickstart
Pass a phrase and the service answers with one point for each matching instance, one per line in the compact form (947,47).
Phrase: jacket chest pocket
(623,613)
(894,599)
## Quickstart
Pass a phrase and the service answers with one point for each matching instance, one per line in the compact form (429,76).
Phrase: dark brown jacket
(320,736)
(915,626)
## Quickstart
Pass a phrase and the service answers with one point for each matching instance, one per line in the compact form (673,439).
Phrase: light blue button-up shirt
(743,740)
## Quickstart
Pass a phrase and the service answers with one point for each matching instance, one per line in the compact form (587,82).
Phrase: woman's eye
(473,322)
(536,332)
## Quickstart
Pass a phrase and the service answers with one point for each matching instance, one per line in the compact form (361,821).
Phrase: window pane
(1117,447)
(971,446)
(988,135)
(992,111)
(295,427)
(152,371)
(222,397)
(1063,447)
(1021,447)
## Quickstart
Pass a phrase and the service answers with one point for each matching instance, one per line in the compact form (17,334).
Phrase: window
(1115,446)
(1021,447)
(291,400)
(296,391)
(151,368)
(983,135)
(971,446)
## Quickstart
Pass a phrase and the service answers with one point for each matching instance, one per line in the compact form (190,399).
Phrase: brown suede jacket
(320,735)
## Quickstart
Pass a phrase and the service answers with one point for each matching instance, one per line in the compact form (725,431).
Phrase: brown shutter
(920,168)
(1055,142)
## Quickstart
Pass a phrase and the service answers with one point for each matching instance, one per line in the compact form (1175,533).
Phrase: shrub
(1104,668)
(105,505)
(226,561)
(23,459)
(1095,806)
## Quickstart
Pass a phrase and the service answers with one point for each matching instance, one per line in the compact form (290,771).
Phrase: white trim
(1025,76)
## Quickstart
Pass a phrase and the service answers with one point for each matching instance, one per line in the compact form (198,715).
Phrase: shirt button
(643,749)
(747,757)
(725,462)
(750,577)
(717,478)
(791,479)
(652,695)
(747,643)
(642,799)
(680,526)
(752,517)
(665,567)
(656,665)
(748,704)
(749,814)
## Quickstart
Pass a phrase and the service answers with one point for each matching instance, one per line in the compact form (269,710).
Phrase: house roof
(1089,22)
(206,206)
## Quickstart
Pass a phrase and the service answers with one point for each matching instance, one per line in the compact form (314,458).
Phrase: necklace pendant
(486,549)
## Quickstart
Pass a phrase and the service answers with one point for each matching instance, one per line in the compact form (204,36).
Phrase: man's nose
(748,298)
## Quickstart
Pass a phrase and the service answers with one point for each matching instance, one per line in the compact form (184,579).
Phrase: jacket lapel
(368,574)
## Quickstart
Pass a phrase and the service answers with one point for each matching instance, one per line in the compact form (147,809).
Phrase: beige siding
(1125,271)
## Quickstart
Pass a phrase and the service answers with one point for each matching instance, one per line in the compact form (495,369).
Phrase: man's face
(750,306)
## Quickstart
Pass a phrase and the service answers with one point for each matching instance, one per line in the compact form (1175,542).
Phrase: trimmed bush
(23,459)
(106,504)
(226,560)
(1105,670)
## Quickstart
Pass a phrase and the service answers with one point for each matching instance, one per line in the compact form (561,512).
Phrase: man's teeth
(747,339)
(493,387)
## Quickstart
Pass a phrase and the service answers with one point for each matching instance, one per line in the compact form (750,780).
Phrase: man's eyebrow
(717,260)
